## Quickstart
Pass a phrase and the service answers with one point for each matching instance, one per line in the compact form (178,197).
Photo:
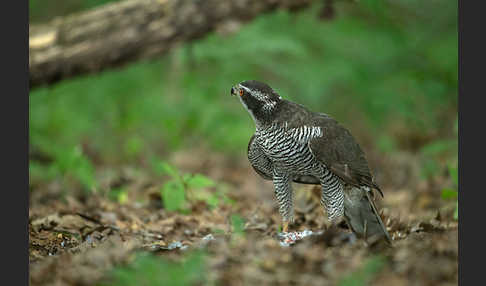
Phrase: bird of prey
(293,144)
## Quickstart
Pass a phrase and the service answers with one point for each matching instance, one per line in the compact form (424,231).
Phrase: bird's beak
(233,91)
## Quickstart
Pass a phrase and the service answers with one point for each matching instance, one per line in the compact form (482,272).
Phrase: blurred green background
(387,70)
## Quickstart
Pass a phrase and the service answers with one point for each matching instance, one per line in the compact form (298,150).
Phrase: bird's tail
(361,215)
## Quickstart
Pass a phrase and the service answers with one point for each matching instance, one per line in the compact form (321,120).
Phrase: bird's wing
(264,167)
(339,151)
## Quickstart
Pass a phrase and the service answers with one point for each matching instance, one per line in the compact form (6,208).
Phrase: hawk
(293,144)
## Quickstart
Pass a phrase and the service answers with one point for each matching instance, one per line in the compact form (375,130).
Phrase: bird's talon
(285,226)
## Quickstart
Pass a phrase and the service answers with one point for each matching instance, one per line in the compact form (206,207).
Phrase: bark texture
(130,30)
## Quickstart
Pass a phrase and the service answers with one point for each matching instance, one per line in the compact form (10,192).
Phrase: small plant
(119,195)
(449,193)
(74,163)
(435,152)
(71,164)
(363,276)
(237,224)
(148,269)
(181,189)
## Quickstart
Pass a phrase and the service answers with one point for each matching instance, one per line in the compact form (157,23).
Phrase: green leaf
(84,172)
(456,211)
(116,194)
(212,201)
(453,172)
(228,201)
(164,168)
(429,168)
(123,197)
(149,269)
(439,146)
(173,195)
(364,274)
(238,224)
(73,162)
(217,231)
(186,177)
(199,181)
(133,146)
(449,194)
(386,143)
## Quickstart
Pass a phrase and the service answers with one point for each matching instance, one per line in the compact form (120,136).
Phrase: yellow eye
(241,92)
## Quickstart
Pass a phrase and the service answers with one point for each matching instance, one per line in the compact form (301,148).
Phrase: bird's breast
(288,149)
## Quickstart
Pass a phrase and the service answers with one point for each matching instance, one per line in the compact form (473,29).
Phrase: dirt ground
(77,239)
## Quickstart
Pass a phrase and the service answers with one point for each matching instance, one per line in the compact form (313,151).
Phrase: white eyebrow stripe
(268,104)
(245,88)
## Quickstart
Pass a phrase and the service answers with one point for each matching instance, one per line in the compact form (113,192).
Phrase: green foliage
(435,154)
(180,189)
(173,191)
(198,181)
(237,224)
(365,274)
(133,147)
(164,168)
(386,144)
(378,64)
(448,193)
(174,195)
(119,195)
(70,164)
(217,231)
(456,211)
(38,172)
(454,174)
(148,270)
(73,162)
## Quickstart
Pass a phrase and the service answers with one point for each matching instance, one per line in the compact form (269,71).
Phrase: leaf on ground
(173,196)
(456,211)
(449,194)
(363,275)
(453,172)
(237,224)
(164,168)
(200,181)
(148,269)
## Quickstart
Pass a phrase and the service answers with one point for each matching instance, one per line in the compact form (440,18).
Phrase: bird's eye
(241,92)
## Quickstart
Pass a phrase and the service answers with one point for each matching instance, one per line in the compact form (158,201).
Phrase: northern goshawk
(294,144)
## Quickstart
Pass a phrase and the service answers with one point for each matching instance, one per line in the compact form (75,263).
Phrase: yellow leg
(285,226)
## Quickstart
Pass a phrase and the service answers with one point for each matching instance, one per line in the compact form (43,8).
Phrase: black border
(14,26)
(471,174)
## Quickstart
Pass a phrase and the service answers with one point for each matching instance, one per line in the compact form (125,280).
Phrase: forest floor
(79,239)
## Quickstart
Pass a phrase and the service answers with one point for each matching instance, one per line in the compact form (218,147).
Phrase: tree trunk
(129,30)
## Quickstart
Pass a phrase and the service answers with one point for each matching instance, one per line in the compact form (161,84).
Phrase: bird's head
(258,98)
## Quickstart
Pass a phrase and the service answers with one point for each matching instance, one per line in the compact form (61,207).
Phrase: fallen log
(122,32)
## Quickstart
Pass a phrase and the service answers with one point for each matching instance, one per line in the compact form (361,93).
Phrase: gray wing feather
(339,151)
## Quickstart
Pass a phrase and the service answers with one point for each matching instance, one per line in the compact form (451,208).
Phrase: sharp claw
(285,226)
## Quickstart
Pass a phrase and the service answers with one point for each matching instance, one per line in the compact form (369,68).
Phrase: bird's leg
(285,226)
(332,198)
(283,192)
